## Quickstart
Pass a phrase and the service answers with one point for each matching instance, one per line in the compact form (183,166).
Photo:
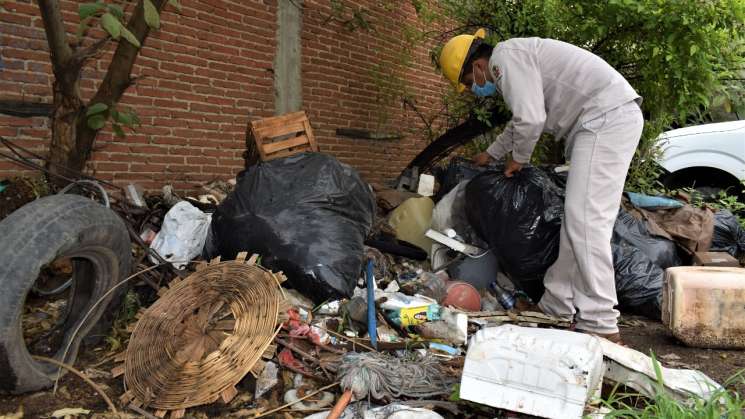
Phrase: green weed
(721,404)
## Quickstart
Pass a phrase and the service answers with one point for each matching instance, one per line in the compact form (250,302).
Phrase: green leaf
(86,10)
(176,4)
(116,10)
(118,131)
(152,17)
(114,343)
(96,121)
(124,118)
(112,25)
(129,36)
(96,108)
(694,49)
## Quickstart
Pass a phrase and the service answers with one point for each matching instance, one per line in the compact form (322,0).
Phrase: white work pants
(581,284)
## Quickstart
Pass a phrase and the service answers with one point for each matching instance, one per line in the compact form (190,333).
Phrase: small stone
(671,357)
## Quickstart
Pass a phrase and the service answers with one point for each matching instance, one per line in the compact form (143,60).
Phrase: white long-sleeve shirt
(550,86)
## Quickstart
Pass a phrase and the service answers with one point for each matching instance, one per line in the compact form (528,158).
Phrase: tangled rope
(385,377)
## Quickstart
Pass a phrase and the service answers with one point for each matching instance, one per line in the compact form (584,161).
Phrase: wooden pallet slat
(285,144)
(283,136)
(272,131)
(278,121)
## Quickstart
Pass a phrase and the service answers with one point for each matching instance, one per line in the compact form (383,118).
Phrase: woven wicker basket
(204,334)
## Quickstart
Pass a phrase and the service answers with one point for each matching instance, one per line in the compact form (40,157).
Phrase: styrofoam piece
(426,185)
(636,370)
(454,244)
(542,372)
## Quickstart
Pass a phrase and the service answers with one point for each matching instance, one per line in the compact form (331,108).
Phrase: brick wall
(209,70)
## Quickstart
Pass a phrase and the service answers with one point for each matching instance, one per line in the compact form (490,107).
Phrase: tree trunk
(72,139)
(64,159)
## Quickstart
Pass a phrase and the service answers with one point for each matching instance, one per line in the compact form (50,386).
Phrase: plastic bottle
(505,298)
(427,284)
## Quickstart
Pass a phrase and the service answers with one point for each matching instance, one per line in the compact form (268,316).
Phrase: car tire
(50,228)
(708,182)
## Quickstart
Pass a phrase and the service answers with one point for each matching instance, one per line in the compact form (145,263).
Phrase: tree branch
(118,75)
(54,26)
(83,54)
(117,78)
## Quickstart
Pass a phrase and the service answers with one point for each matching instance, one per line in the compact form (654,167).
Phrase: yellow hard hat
(454,55)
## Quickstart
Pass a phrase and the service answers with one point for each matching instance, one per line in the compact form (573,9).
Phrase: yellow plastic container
(705,306)
(411,220)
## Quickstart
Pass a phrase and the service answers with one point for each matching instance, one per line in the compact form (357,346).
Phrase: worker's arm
(519,79)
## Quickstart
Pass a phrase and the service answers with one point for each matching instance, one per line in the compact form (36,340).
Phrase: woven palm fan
(203,335)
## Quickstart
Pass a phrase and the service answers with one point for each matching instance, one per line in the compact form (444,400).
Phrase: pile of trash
(401,304)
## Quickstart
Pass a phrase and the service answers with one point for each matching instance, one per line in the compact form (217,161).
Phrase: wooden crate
(282,136)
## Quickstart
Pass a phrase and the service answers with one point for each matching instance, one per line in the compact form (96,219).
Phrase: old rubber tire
(59,226)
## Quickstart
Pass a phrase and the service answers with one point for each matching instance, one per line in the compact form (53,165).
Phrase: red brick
(209,68)
(111,167)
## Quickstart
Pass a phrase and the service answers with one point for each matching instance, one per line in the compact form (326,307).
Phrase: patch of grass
(725,200)
(723,403)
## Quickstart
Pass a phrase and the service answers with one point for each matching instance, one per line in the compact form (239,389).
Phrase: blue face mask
(488,89)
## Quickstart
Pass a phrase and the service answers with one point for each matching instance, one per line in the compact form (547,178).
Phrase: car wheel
(708,182)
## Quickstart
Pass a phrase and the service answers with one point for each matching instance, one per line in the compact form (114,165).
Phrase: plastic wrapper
(652,202)
(729,236)
(450,213)
(638,280)
(659,250)
(520,218)
(182,236)
(307,215)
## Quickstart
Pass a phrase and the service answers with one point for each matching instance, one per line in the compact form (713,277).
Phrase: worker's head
(465,62)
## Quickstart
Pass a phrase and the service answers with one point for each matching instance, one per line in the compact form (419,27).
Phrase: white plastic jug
(705,306)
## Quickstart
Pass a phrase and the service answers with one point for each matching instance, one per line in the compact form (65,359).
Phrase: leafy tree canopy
(679,55)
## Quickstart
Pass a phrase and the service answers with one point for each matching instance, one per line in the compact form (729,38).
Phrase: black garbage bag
(659,250)
(307,215)
(729,236)
(459,169)
(520,218)
(638,280)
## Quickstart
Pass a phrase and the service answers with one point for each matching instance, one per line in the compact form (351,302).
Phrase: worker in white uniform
(554,87)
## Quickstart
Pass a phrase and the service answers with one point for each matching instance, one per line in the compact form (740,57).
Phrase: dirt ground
(639,333)
(72,392)
(650,336)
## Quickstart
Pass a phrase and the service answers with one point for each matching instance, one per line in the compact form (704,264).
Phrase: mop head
(385,377)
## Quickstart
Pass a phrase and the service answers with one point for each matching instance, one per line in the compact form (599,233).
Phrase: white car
(709,157)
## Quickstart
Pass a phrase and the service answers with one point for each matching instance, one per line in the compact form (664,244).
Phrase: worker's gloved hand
(482,159)
(512,167)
